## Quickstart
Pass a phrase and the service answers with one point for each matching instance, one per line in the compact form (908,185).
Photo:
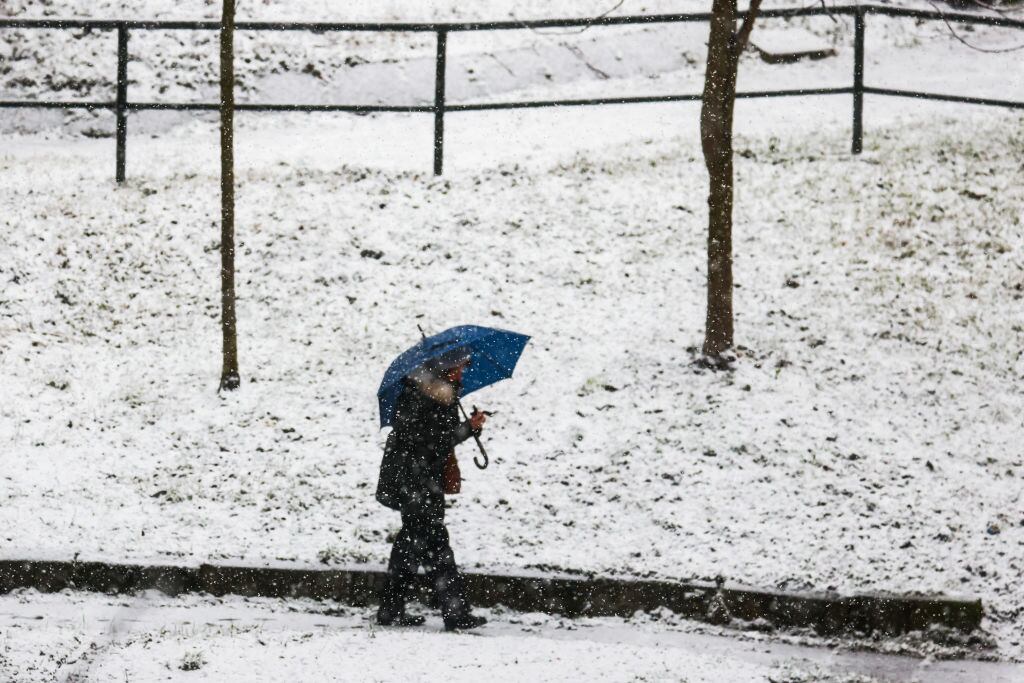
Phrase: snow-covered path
(87,637)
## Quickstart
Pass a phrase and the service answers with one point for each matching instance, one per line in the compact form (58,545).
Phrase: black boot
(451,598)
(392,606)
(464,621)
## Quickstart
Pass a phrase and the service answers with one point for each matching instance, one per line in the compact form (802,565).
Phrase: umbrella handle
(479,444)
(483,452)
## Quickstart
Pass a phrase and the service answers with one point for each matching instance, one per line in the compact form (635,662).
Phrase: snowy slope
(868,440)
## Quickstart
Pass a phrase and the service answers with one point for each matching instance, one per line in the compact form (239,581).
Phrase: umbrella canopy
(493,354)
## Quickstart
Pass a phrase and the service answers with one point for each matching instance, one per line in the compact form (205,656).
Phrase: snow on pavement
(150,637)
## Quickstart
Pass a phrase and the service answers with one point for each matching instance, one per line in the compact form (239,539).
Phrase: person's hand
(477,419)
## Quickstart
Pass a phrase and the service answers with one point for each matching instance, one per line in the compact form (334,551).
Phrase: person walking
(426,427)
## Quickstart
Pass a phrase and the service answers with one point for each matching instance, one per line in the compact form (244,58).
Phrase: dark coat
(411,472)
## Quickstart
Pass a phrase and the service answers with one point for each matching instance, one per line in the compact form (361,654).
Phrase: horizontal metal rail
(962,99)
(952,17)
(440,107)
(508,25)
(486,106)
(347,108)
(643,99)
(425,108)
(42,104)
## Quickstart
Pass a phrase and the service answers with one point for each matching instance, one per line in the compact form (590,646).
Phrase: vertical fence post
(122,99)
(858,81)
(442,38)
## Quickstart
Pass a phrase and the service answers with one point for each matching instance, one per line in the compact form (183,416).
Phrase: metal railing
(122,106)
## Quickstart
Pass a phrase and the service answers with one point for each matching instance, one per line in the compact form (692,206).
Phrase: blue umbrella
(493,353)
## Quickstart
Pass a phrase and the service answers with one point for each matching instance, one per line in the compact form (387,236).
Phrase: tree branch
(586,27)
(748,25)
(976,48)
(996,8)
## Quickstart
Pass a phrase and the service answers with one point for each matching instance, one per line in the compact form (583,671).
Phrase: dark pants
(423,541)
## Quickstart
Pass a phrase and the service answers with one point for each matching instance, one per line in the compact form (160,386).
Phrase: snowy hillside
(868,440)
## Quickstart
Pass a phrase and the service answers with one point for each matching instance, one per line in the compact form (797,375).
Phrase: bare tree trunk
(229,378)
(716,116)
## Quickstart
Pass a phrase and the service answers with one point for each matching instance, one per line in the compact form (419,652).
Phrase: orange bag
(452,480)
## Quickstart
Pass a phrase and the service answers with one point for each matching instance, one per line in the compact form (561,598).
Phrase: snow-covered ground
(869,438)
(149,637)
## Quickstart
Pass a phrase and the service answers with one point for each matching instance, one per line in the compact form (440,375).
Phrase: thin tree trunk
(716,140)
(229,378)
(716,117)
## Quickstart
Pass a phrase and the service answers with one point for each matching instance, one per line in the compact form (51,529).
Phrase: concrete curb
(826,614)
